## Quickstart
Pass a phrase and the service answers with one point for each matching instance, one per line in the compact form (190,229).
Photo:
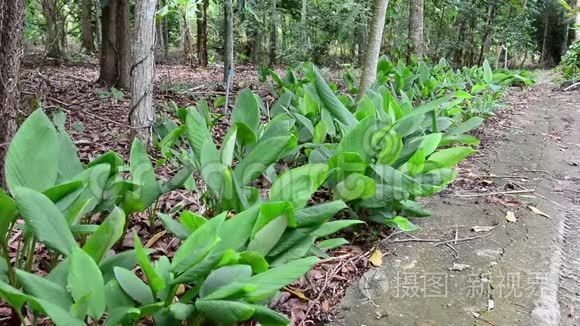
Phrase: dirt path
(517,273)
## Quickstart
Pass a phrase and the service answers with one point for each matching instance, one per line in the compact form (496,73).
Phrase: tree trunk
(273,32)
(11,32)
(98,27)
(115,65)
(53,37)
(124,46)
(304,21)
(108,62)
(87,40)
(487,31)
(202,58)
(416,27)
(229,40)
(545,42)
(142,113)
(577,35)
(369,69)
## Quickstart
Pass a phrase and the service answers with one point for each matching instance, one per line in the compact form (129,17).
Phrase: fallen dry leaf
(297,294)
(482,228)
(155,238)
(376,258)
(511,217)
(539,212)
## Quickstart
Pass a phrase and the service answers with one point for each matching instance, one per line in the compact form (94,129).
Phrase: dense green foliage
(570,65)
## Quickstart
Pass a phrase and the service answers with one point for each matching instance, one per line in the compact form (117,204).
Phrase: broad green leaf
(355,186)
(191,221)
(320,132)
(271,210)
(212,169)
(332,227)
(260,158)
(111,158)
(86,281)
(267,237)
(449,157)
(8,212)
(235,232)
(269,317)
(298,184)
(12,296)
(331,102)
(318,214)
(116,297)
(155,281)
(198,244)
(45,220)
(43,288)
(228,146)
(107,234)
(397,179)
(225,312)
(332,243)
(416,163)
(196,131)
(133,286)
(274,279)
(69,164)
(247,109)
(58,315)
(179,230)
(347,163)
(358,139)
(182,311)
(365,108)
(459,139)
(125,259)
(122,315)
(297,251)
(255,260)
(59,192)
(487,72)
(401,223)
(413,208)
(224,276)
(201,269)
(389,144)
(143,174)
(32,156)
(465,126)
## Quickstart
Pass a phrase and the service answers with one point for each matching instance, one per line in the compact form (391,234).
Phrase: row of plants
(226,269)
(266,224)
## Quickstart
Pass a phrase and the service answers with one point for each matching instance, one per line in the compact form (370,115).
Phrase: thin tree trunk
(416,29)
(273,31)
(108,62)
(487,31)
(545,41)
(440,30)
(229,40)
(202,57)
(124,45)
(369,69)
(115,62)
(142,113)
(577,35)
(53,39)
(11,32)
(304,21)
(98,27)
(88,42)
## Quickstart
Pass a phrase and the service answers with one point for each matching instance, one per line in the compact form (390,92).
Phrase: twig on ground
(503,176)
(462,239)
(511,192)
(414,240)
(456,254)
